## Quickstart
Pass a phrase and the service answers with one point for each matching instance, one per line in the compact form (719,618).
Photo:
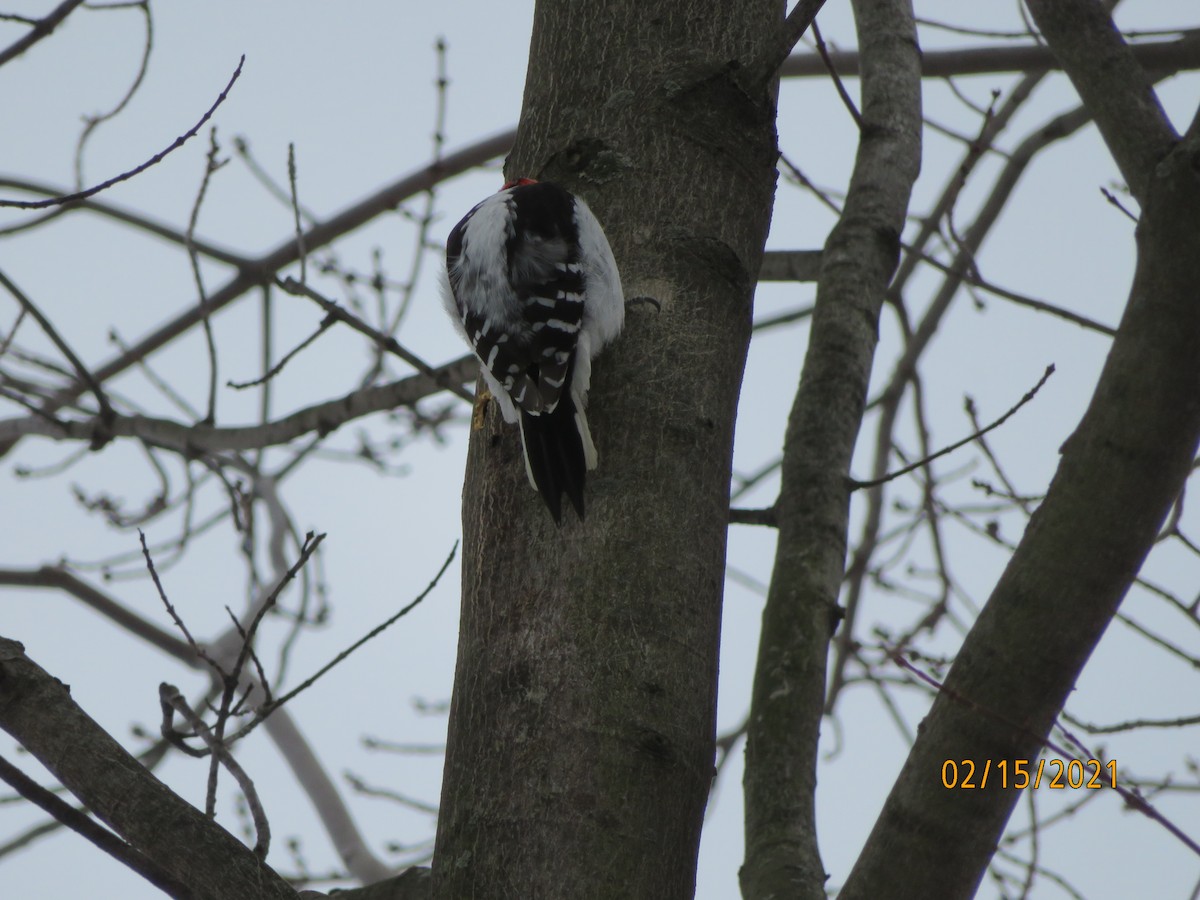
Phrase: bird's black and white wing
(534,288)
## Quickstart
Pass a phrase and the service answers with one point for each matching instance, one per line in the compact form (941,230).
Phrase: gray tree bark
(813,508)
(581,738)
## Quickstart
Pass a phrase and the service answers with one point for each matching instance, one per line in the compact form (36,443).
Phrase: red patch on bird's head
(518,182)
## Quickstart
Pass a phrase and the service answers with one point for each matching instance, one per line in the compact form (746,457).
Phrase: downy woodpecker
(533,287)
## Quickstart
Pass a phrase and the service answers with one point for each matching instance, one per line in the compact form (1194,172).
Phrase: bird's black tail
(555,455)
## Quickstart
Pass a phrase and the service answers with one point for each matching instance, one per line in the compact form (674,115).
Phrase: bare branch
(280,726)
(1112,83)
(790,265)
(311,543)
(384,341)
(137,220)
(295,201)
(797,22)
(843,94)
(325,325)
(1119,473)
(1113,201)
(211,165)
(38,711)
(83,825)
(263,268)
(81,371)
(855,485)
(1133,800)
(918,338)
(125,176)
(12,332)
(1132,724)
(321,419)
(268,709)
(197,650)
(91,123)
(974,279)
(368,790)
(61,579)
(171,698)
(1155,56)
(766,516)
(42,28)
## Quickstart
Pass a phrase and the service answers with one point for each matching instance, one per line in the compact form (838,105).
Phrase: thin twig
(974,32)
(408,289)
(786,318)
(211,165)
(311,543)
(91,123)
(292,286)
(81,371)
(57,426)
(179,623)
(295,198)
(1010,488)
(241,146)
(171,698)
(837,80)
(125,176)
(8,338)
(247,641)
(387,794)
(326,323)
(266,711)
(372,743)
(1132,724)
(1132,799)
(267,333)
(797,22)
(1111,198)
(137,220)
(747,482)
(876,482)
(160,383)
(1033,303)
(42,28)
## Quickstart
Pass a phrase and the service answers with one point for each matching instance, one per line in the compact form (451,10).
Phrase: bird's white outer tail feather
(590,457)
(525,456)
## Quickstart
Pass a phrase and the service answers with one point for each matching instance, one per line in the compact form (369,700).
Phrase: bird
(532,286)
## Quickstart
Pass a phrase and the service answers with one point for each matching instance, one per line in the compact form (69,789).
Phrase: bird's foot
(480,409)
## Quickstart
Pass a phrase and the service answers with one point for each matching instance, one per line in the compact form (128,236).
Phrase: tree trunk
(580,749)
(813,509)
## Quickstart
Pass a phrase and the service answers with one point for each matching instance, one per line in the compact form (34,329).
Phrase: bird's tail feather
(556,455)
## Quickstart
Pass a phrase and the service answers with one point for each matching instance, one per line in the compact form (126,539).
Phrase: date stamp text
(1018,774)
